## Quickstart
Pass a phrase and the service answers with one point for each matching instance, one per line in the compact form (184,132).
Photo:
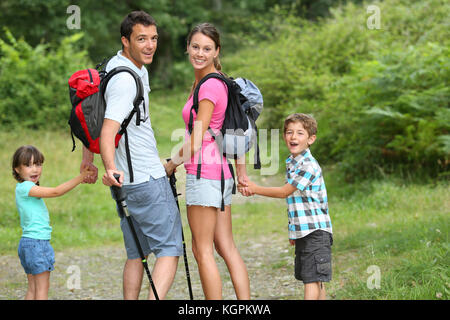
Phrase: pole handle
(118,193)
(172,178)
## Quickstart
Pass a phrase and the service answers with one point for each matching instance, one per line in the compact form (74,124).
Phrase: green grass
(400,228)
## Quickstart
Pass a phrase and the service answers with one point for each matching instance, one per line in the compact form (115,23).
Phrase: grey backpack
(239,131)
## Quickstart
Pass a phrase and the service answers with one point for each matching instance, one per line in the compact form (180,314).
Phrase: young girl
(211,228)
(35,252)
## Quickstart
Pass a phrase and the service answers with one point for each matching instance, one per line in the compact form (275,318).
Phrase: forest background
(375,74)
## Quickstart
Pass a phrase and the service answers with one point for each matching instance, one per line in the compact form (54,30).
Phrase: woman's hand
(170,167)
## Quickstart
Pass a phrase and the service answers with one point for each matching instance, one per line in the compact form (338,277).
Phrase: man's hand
(109,180)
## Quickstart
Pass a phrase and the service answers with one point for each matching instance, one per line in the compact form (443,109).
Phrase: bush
(380,96)
(397,116)
(33,82)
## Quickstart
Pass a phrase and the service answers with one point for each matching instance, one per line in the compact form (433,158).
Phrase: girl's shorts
(207,192)
(36,256)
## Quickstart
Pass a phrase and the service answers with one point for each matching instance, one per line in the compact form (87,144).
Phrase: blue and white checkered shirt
(308,205)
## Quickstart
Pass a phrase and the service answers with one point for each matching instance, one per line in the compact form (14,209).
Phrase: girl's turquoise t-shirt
(34,217)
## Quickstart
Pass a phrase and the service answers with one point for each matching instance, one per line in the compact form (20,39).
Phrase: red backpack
(86,89)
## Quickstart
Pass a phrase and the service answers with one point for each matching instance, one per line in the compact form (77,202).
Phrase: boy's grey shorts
(155,217)
(313,257)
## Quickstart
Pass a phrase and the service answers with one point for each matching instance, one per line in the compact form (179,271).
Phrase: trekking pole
(120,196)
(173,185)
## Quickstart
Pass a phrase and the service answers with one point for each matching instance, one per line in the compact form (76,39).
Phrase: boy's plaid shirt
(308,205)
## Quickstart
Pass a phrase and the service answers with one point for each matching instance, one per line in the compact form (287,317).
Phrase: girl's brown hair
(210,31)
(23,156)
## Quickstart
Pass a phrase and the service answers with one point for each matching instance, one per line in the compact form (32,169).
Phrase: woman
(210,227)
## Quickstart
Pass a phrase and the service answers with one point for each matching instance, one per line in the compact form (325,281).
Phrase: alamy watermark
(269,152)
(374,280)
(74,20)
(374,20)
(74,280)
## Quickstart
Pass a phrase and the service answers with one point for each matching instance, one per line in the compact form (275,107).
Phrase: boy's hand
(292,242)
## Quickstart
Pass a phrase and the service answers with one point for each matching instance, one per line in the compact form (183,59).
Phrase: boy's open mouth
(293,144)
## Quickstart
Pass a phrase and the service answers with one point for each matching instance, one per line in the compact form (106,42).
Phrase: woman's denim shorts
(36,256)
(207,192)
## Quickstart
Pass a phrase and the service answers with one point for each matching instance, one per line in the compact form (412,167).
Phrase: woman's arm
(241,173)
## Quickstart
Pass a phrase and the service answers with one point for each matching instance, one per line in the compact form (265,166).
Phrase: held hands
(90,177)
(245,186)
(86,173)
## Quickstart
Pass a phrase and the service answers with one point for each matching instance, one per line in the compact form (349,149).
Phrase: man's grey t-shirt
(119,97)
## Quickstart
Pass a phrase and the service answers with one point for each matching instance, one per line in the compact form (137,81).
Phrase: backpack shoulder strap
(136,103)
(139,94)
(196,91)
(140,87)
(203,80)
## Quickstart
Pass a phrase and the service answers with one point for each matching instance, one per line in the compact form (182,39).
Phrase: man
(149,198)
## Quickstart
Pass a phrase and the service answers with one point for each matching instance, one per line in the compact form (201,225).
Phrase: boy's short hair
(133,18)
(308,122)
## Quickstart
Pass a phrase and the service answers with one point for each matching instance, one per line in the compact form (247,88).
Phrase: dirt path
(100,274)
(269,262)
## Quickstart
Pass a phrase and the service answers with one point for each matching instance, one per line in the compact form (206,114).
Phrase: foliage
(44,21)
(33,82)
(397,114)
(380,96)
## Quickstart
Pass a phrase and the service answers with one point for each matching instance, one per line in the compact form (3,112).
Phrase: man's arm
(107,151)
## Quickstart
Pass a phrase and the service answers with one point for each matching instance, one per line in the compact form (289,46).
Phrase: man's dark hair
(133,18)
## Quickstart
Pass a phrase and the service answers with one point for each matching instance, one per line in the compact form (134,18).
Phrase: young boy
(309,223)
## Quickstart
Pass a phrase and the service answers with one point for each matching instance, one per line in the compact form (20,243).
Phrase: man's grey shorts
(313,257)
(155,217)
